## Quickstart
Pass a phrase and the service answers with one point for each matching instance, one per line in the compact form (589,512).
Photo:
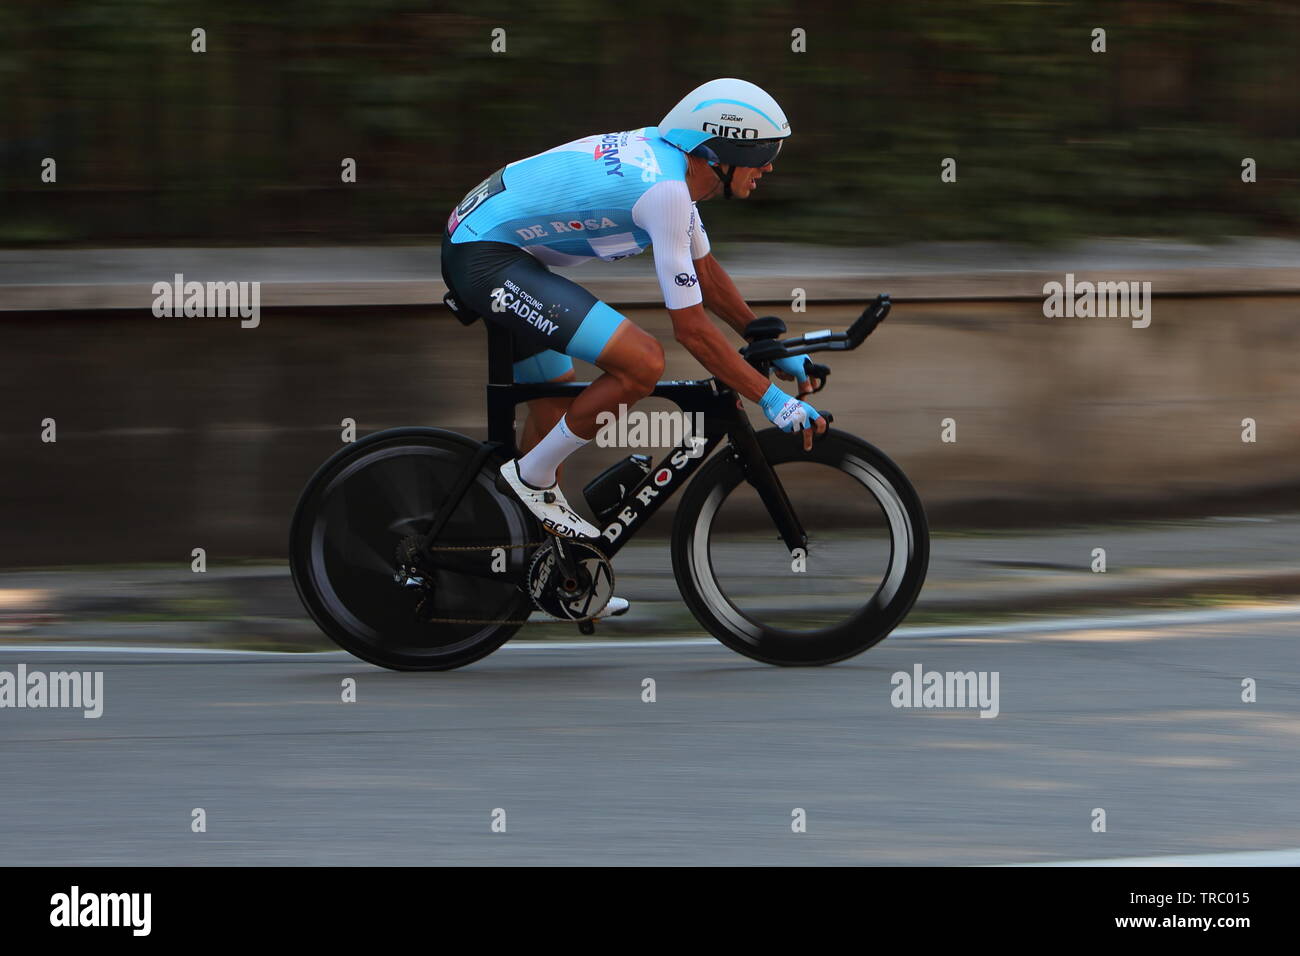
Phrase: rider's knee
(654,364)
(643,364)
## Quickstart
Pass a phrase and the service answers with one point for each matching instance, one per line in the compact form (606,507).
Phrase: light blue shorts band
(594,332)
(542,367)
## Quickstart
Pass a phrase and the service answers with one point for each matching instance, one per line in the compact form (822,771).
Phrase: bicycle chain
(475,620)
(485,547)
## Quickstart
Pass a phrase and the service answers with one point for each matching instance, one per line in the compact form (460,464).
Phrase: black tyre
(356,510)
(867,556)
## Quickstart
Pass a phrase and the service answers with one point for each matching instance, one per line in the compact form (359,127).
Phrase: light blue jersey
(607,196)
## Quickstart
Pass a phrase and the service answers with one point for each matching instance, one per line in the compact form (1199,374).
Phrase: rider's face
(745,180)
(704,183)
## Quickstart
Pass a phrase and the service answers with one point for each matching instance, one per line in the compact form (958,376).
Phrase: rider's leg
(543,413)
(632,361)
(546,312)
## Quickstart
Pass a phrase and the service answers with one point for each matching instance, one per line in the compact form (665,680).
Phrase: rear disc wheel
(344,552)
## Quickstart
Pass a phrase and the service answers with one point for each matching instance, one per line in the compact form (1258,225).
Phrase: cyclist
(610,196)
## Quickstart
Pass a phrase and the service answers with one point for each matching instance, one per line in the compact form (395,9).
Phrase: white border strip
(1091,623)
(59,647)
(1046,626)
(1256,858)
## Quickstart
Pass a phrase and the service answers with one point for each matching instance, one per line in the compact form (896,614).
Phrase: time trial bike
(409,551)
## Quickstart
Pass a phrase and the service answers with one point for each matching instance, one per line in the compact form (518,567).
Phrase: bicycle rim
(861,571)
(351,521)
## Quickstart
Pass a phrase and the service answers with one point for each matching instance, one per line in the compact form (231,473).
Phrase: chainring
(571,600)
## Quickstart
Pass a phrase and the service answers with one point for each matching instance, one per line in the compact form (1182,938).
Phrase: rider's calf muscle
(543,415)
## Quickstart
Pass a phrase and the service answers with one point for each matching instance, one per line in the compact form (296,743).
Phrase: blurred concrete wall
(177,433)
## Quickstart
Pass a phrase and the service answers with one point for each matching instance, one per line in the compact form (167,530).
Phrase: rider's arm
(699,336)
(666,213)
(668,216)
(721,297)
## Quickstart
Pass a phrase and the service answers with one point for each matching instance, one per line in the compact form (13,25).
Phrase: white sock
(537,468)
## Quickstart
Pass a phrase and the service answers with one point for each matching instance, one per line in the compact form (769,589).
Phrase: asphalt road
(1145,721)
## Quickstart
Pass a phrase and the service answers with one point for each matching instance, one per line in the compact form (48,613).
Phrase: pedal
(587,627)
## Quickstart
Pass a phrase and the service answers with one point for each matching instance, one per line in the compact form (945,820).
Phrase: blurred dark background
(225,165)
(244,142)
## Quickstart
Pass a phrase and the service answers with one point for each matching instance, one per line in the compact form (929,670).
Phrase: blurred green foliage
(243,143)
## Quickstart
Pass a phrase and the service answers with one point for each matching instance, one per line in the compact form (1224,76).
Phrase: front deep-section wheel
(353,545)
(867,555)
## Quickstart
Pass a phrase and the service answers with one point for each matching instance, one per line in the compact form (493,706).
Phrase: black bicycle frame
(723,417)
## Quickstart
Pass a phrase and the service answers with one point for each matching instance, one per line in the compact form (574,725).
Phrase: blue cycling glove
(787,413)
(793,366)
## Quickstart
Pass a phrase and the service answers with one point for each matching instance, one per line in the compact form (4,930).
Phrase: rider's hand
(792,415)
(794,367)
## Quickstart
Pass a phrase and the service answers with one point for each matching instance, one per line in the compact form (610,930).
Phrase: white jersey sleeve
(668,216)
(699,238)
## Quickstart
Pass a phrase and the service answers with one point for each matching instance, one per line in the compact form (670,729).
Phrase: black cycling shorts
(549,317)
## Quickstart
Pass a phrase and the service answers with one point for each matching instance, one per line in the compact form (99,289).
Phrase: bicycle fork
(762,476)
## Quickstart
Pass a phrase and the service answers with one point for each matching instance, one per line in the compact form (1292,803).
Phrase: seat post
(500,386)
(500,355)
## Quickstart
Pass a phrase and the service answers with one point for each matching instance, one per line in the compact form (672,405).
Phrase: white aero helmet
(727,122)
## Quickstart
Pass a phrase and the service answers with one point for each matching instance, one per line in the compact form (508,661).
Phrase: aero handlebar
(765,345)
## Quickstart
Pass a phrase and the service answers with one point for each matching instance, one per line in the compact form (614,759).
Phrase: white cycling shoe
(549,506)
(616,607)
